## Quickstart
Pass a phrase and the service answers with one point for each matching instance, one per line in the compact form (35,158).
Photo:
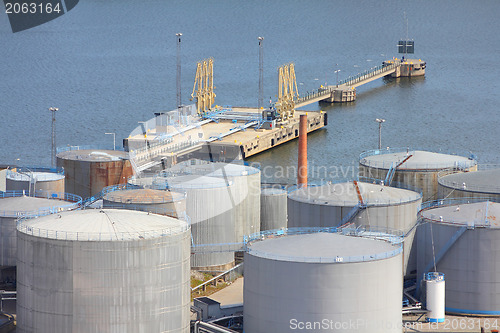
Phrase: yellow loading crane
(287,91)
(203,88)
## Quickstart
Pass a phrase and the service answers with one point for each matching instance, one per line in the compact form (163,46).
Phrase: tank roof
(146,181)
(143,196)
(344,194)
(487,181)
(272,191)
(323,247)
(220,169)
(196,182)
(37,176)
(93,155)
(103,225)
(486,214)
(419,160)
(24,204)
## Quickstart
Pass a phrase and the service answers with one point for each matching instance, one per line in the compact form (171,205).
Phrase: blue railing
(358,232)
(26,227)
(423,165)
(28,168)
(124,187)
(72,202)
(431,276)
(86,147)
(470,186)
(453,202)
(315,189)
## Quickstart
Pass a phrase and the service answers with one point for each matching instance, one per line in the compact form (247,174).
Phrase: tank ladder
(346,220)
(392,170)
(360,198)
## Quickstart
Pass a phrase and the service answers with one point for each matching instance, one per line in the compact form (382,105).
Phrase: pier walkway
(327,93)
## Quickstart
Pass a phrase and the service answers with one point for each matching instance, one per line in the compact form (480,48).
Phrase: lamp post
(337,72)
(53,153)
(261,73)
(178,78)
(114,139)
(380,121)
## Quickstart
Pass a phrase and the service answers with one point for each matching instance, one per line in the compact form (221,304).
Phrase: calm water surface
(109,64)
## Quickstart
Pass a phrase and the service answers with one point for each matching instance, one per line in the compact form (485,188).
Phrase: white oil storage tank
(322,281)
(415,168)
(211,213)
(360,203)
(88,171)
(32,179)
(154,201)
(483,183)
(107,270)
(245,194)
(273,213)
(461,239)
(17,204)
(435,300)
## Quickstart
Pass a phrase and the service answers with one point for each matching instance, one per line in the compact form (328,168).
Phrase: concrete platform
(220,139)
(231,295)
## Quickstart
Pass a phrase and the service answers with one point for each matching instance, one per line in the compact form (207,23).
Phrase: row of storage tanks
(115,270)
(275,269)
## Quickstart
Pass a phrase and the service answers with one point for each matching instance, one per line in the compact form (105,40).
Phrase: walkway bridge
(345,91)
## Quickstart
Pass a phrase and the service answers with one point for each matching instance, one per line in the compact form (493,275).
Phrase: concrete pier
(345,90)
(221,140)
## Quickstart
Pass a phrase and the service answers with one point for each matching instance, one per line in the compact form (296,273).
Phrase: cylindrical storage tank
(385,207)
(154,201)
(484,183)
(462,240)
(435,289)
(35,179)
(144,181)
(273,213)
(344,283)
(415,168)
(245,193)
(211,213)
(88,171)
(105,270)
(14,204)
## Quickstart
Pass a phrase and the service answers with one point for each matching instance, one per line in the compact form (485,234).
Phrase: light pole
(179,97)
(53,153)
(114,139)
(337,72)
(380,121)
(261,73)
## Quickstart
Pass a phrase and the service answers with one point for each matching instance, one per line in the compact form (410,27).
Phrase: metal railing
(351,198)
(393,184)
(380,233)
(367,74)
(449,219)
(108,191)
(470,186)
(163,183)
(28,168)
(72,202)
(26,227)
(229,271)
(320,92)
(86,147)
(472,159)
